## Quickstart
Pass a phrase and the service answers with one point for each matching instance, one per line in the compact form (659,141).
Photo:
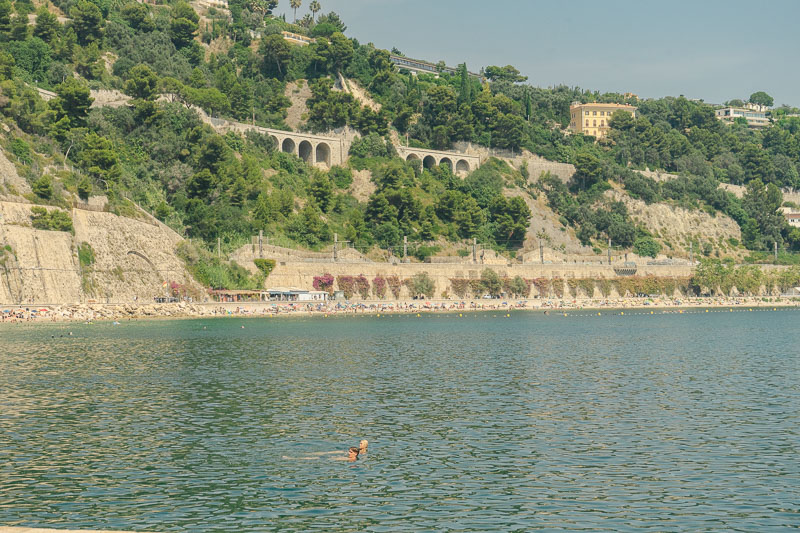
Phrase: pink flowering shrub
(324,283)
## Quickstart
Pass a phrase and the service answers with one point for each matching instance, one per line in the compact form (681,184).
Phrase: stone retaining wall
(132,259)
(301,275)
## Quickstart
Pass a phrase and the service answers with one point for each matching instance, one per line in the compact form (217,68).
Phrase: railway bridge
(459,162)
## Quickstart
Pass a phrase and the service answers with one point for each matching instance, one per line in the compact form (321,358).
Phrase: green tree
(762,204)
(341,51)
(138,17)
(87,20)
(757,164)
(47,26)
(275,53)
(183,10)
(200,184)
(262,7)
(19,28)
(99,157)
(5,20)
(6,65)
(314,7)
(509,131)
(761,98)
(589,169)
(491,282)
(43,187)
(142,82)
(182,32)
(421,285)
(507,73)
(84,188)
(321,190)
(519,288)
(646,246)
(73,101)
(295,4)
(308,228)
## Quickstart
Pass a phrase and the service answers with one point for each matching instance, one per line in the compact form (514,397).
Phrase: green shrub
(85,254)
(423,252)
(341,177)
(84,188)
(265,266)
(216,273)
(21,149)
(55,220)
(420,285)
(43,187)
(646,247)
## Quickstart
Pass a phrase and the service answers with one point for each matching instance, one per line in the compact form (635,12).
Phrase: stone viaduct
(313,149)
(326,151)
(319,150)
(459,162)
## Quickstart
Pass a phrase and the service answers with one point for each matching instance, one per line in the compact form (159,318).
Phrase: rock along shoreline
(183,310)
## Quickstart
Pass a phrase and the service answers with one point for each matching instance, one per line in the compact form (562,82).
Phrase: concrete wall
(133,258)
(301,275)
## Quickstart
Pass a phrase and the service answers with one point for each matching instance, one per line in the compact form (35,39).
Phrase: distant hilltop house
(296,38)
(592,119)
(754,114)
(417,65)
(792,216)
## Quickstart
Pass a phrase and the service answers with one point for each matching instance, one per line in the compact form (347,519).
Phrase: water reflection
(479,423)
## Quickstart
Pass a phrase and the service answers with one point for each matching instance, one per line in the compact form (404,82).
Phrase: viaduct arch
(325,151)
(459,162)
(316,150)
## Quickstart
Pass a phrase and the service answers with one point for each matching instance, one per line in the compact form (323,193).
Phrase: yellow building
(592,119)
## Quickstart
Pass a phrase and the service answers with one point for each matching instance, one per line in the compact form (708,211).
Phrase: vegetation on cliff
(236,64)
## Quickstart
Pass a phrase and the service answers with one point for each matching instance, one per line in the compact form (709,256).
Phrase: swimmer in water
(352,453)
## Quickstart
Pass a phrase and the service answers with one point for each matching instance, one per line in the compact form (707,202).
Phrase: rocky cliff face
(132,259)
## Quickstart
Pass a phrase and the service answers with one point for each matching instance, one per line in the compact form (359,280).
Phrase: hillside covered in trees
(173,58)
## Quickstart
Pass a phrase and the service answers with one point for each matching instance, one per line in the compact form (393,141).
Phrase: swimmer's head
(363,444)
(352,453)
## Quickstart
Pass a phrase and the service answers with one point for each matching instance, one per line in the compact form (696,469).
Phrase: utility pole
(776,251)
(261,243)
(474,250)
(335,246)
(405,248)
(541,251)
(609,250)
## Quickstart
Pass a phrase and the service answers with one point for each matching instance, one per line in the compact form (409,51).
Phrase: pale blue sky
(710,49)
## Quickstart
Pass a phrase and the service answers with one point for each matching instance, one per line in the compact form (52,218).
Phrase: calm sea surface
(481,423)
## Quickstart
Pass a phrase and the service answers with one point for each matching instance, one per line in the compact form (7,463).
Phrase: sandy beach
(17,314)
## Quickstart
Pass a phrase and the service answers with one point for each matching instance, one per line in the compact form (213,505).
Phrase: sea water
(480,422)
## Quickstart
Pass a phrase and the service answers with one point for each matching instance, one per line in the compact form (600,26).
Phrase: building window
(594,123)
(602,123)
(587,113)
(602,113)
(594,113)
(587,123)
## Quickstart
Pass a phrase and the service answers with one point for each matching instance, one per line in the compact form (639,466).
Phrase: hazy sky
(710,49)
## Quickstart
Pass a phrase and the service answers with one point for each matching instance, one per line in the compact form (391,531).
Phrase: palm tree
(295,4)
(314,7)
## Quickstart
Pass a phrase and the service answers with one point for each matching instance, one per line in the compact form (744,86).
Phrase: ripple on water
(482,423)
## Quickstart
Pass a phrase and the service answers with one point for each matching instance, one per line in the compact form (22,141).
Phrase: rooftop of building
(598,104)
